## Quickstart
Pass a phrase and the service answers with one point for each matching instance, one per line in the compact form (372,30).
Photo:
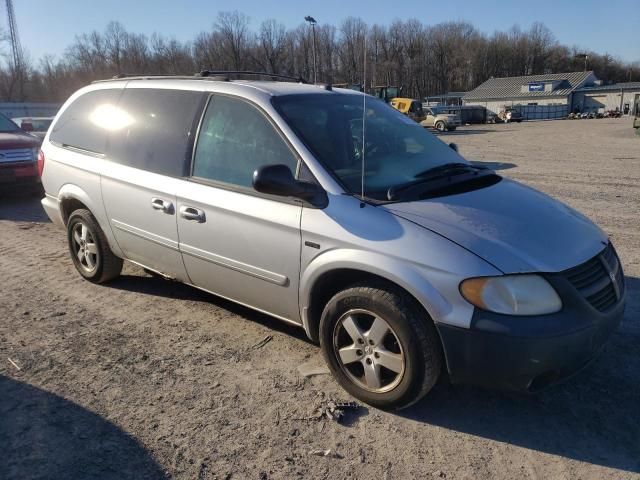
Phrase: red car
(18,158)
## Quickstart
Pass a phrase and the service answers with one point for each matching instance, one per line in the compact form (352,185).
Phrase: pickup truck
(427,117)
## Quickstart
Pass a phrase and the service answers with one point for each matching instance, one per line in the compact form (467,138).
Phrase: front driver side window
(235,139)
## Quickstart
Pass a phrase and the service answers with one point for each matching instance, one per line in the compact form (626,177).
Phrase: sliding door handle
(192,213)
(162,205)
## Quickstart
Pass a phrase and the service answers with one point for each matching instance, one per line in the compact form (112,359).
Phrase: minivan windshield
(397,150)
(7,125)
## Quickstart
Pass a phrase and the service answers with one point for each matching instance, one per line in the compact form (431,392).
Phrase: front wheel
(380,345)
(89,248)
(440,126)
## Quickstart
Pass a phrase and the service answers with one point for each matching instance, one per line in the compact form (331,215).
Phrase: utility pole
(16,49)
(312,22)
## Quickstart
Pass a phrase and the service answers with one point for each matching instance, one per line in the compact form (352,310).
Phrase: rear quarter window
(158,131)
(79,124)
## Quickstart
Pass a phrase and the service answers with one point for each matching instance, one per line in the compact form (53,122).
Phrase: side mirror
(454,147)
(278,180)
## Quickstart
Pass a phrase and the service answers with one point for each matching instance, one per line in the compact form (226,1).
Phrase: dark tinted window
(82,125)
(155,129)
(235,139)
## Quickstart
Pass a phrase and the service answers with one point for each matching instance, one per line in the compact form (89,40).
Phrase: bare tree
(272,46)
(425,59)
(232,31)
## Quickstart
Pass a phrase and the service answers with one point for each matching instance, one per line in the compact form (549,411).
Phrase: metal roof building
(623,96)
(536,96)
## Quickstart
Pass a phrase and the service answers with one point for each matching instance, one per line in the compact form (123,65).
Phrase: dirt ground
(144,378)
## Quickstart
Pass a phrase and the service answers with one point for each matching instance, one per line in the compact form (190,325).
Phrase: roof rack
(225,73)
(220,75)
(143,76)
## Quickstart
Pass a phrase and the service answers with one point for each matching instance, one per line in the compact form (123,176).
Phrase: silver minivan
(330,210)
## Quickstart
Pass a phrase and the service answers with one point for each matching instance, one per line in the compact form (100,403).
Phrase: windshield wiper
(446,169)
(438,178)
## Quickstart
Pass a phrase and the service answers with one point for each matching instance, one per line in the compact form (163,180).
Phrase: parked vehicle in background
(426,117)
(636,120)
(468,114)
(386,93)
(509,115)
(330,211)
(411,107)
(36,126)
(18,157)
(436,117)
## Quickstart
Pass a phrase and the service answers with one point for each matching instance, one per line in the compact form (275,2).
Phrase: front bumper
(529,353)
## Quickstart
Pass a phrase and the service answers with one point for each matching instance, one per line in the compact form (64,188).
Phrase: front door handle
(192,213)
(163,205)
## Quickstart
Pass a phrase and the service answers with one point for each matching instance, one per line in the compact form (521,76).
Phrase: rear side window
(235,139)
(156,130)
(81,125)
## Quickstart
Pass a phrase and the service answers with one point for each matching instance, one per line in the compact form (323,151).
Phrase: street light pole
(312,22)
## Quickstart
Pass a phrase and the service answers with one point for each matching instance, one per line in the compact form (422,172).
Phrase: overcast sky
(604,26)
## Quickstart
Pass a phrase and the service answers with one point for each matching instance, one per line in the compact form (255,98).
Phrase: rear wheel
(89,248)
(440,126)
(380,345)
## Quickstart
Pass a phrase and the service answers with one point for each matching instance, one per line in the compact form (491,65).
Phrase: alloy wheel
(85,247)
(368,351)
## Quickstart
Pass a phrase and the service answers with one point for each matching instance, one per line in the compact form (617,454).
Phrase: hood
(9,140)
(514,227)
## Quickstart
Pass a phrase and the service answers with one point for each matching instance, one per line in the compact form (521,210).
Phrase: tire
(98,264)
(411,339)
(440,126)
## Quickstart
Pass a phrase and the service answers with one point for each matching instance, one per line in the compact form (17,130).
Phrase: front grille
(16,155)
(599,280)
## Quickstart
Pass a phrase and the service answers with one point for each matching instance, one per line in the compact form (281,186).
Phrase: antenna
(364,114)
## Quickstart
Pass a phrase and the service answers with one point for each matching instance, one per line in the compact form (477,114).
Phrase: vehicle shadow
(461,131)
(592,417)
(22,207)
(494,165)
(46,436)
(160,287)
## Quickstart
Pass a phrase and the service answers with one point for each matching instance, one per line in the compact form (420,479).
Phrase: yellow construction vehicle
(410,107)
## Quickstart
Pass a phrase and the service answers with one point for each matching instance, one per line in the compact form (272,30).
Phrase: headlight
(512,294)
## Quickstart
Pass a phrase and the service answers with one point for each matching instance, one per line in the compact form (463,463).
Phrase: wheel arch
(325,277)
(71,197)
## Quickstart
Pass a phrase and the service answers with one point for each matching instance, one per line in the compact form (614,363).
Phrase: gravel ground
(145,378)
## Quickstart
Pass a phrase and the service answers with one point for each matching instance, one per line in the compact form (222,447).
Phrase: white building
(537,97)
